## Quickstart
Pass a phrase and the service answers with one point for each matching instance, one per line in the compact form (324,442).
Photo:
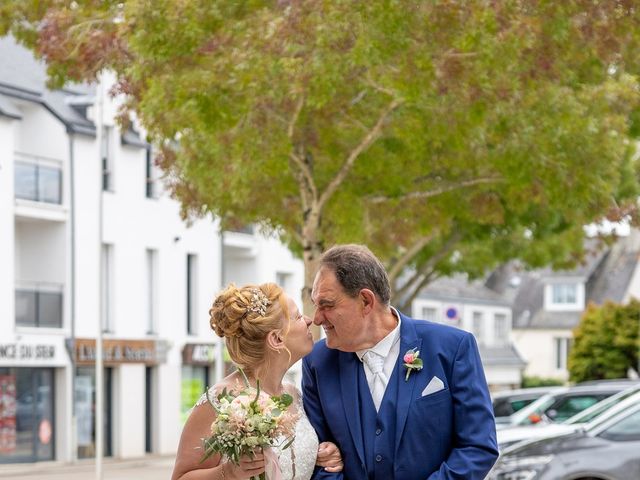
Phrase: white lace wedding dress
(298,460)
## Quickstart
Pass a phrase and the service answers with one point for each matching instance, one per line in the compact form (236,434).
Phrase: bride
(265,334)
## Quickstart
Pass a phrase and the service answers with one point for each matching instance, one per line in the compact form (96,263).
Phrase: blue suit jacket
(449,434)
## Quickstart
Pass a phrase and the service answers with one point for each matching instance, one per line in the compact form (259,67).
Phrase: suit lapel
(408,340)
(349,365)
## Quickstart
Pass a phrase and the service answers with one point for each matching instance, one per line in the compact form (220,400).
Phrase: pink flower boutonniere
(412,362)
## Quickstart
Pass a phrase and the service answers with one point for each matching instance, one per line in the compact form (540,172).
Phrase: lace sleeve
(212,393)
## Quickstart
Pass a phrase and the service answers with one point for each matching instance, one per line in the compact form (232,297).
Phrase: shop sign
(17,351)
(199,353)
(116,352)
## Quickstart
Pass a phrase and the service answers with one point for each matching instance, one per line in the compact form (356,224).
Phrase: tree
(447,135)
(606,342)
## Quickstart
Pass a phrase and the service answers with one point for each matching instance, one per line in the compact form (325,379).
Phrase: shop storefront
(27,401)
(138,358)
(199,361)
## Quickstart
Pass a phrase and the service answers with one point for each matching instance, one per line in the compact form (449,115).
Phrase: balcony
(39,305)
(240,242)
(38,187)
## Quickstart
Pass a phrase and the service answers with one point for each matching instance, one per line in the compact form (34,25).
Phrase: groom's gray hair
(356,267)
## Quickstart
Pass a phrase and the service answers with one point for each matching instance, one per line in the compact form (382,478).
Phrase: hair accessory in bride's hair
(259,302)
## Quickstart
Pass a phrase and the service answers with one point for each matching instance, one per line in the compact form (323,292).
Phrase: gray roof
(8,109)
(613,282)
(594,252)
(505,355)
(607,275)
(459,288)
(20,69)
(24,77)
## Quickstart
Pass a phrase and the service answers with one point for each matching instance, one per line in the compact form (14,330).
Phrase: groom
(391,421)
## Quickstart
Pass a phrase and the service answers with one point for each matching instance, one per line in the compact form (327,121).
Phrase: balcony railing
(38,179)
(39,305)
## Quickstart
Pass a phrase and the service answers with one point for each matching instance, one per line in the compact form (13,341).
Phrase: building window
(564,293)
(38,180)
(562,347)
(192,287)
(27,422)
(39,305)
(106,152)
(107,288)
(501,328)
(478,327)
(152,289)
(430,314)
(151,181)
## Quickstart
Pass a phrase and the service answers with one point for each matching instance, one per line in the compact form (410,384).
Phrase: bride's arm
(329,457)
(188,465)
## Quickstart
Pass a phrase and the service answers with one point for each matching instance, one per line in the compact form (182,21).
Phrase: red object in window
(535,418)
(7,413)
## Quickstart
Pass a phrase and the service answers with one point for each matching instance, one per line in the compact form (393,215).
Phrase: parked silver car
(607,448)
(510,436)
(561,404)
(508,402)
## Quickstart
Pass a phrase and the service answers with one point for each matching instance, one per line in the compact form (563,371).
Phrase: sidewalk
(145,468)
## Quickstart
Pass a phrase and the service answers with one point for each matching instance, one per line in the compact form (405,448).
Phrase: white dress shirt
(388,348)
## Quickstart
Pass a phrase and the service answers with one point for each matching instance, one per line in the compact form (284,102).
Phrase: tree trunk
(312,250)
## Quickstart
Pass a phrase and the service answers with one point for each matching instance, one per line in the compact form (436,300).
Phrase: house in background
(549,305)
(476,308)
(523,321)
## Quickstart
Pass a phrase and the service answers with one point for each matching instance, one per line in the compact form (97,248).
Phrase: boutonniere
(412,362)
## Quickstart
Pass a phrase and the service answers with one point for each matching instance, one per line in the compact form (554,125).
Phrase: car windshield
(613,410)
(522,417)
(601,407)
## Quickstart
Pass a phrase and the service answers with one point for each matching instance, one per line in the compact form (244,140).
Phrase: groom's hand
(329,457)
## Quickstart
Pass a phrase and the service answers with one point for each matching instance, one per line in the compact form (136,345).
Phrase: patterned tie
(375,363)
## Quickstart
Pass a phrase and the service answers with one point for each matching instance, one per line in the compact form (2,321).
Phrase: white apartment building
(88,233)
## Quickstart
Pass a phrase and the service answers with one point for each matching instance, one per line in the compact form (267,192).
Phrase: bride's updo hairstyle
(244,317)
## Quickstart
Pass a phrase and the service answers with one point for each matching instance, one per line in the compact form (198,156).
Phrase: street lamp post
(99,416)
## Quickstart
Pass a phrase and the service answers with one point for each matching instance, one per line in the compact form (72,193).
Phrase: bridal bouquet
(247,420)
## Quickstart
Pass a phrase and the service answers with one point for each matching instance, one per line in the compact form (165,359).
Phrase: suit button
(378,431)
(378,458)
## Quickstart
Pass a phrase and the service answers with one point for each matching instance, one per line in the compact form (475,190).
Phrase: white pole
(99,416)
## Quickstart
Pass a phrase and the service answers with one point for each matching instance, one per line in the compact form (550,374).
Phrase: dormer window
(564,296)
(564,293)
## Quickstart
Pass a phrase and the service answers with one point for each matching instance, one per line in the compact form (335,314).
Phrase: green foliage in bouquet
(248,420)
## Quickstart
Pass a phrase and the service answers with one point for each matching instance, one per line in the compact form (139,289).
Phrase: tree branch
(437,191)
(371,136)
(428,265)
(306,179)
(294,118)
(407,256)
(428,278)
